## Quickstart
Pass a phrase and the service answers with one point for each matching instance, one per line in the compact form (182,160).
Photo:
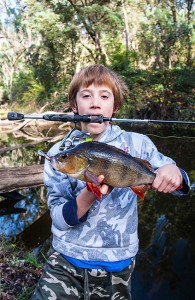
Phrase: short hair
(98,75)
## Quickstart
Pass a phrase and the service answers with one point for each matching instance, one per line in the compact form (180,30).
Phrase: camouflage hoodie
(110,231)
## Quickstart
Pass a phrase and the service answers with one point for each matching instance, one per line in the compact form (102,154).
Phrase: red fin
(140,190)
(180,187)
(94,189)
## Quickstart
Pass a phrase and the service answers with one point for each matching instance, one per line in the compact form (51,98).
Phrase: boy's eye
(86,96)
(105,97)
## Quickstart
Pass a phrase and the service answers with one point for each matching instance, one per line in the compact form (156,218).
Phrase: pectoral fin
(94,189)
(93,179)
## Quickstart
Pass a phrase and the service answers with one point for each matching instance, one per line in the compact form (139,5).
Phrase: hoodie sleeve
(157,160)
(61,194)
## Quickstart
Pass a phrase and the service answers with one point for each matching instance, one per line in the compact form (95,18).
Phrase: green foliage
(30,258)
(166,34)
(150,44)
(26,91)
(25,293)
(102,18)
(163,94)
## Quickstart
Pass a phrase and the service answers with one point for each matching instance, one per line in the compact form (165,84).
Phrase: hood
(110,134)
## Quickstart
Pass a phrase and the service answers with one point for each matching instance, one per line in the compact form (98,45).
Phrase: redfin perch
(88,160)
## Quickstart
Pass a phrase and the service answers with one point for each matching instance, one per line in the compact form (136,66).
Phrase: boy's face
(95,100)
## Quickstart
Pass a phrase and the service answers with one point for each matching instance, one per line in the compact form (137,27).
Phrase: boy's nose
(95,101)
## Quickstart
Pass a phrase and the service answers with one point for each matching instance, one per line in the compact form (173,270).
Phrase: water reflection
(169,275)
(7,205)
(13,224)
(165,266)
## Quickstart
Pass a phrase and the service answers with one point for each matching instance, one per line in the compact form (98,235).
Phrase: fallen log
(16,178)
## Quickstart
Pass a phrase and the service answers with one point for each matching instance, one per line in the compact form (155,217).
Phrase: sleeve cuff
(69,212)
(186,183)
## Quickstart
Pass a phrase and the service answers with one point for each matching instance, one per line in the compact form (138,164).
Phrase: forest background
(150,43)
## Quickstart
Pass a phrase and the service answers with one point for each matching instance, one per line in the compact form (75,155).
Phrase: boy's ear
(74,109)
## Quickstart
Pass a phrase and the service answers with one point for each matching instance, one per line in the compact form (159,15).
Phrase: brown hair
(98,75)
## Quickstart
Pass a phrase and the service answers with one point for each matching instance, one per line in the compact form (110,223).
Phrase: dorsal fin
(145,162)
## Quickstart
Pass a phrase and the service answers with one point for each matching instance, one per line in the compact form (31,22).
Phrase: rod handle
(14,116)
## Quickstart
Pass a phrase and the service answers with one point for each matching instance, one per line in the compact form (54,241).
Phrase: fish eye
(61,158)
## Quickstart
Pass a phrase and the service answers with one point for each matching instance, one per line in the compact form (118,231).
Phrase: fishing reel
(74,140)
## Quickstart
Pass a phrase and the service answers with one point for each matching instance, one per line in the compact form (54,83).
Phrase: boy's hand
(85,199)
(104,189)
(168,179)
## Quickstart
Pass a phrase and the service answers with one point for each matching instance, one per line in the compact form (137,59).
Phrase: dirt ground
(19,273)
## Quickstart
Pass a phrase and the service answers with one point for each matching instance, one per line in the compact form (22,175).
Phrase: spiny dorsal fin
(145,162)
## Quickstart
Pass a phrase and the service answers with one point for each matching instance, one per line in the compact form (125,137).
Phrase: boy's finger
(100,178)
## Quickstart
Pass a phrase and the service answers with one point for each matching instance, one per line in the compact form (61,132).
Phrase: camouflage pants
(61,280)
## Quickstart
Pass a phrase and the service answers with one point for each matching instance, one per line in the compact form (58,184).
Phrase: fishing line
(171,136)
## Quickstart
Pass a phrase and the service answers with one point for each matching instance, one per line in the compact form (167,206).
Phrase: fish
(88,160)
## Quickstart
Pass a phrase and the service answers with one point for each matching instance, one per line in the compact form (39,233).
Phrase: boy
(95,241)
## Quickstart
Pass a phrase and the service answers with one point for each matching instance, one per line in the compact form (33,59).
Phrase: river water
(165,265)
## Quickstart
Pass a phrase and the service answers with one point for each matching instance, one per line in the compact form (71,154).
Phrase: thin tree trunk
(127,41)
(189,43)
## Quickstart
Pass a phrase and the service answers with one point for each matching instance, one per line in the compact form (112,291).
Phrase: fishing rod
(90,119)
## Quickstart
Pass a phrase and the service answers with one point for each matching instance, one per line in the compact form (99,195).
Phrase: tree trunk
(127,41)
(16,178)
(189,34)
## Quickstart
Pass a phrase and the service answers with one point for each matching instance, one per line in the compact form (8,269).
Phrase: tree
(166,27)
(15,42)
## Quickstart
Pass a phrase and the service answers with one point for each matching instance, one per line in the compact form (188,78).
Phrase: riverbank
(20,271)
